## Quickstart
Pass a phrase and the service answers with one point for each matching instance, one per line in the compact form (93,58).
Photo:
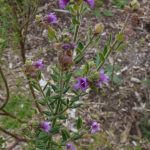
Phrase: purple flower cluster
(68,46)
(46,126)
(90,3)
(51,19)
(63,3)
(104,79)
(82,84)
(95,127)
(39,64)
(70,146)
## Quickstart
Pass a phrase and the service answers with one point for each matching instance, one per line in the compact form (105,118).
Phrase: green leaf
(62,117)
(120,37)
(105,50)
(79,123)
(54,87)
(48,92)
(43,135)
(97,13)
(34,84)
(65,135)
(2,142)
(68,77)
(75,21)
(86,69)
(101,56)
(110,40)
(47,113)
(51,33)
(80,47)
(108,13)
(78,58)
(55,97)
(55,129)
(2,41)
(74,99)
(120,3)
(77,136)
(75,105)
(97,60)
(66,90)
(54,77)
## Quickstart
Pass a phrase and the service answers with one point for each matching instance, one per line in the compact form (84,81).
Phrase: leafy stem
(60,96)
(77,26)
(79,57)
(41,90)
(107,54)
(76,32)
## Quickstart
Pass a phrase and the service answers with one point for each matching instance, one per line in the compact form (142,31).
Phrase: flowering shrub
(71,78)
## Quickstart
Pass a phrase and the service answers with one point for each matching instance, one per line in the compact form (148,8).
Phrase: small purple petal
(95,127)
(82,84)
(68,46)
(70,146)
(63,3)
(90,3)
(104,79)
(39,64)
(51,19)
(45,126)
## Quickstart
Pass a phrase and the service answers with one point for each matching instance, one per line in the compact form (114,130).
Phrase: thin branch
(112,47)
(13,135)
(13,145)
(34,96)
(7,89)
(5,113)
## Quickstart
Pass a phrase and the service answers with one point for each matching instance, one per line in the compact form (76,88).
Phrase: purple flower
(63,3)
(45,126)
(82,84)
(104,79)
(95,127)
(68,46)
(90,3)
(39,64)
(51,19)
(70,146)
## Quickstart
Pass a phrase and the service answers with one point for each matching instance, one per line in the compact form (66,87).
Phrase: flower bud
(38,18)
(57,46)
(91,64)
(135,5)
(94,76)
(99,28)
(65,59)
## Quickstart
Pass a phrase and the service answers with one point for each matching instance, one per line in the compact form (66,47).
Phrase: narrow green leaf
(48,92)
(120,37)
(66,90)
(47,113)
(51,33)
(54,87)
(79,123)
(65,135)
(80,47)
(105,50)
(54,77)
